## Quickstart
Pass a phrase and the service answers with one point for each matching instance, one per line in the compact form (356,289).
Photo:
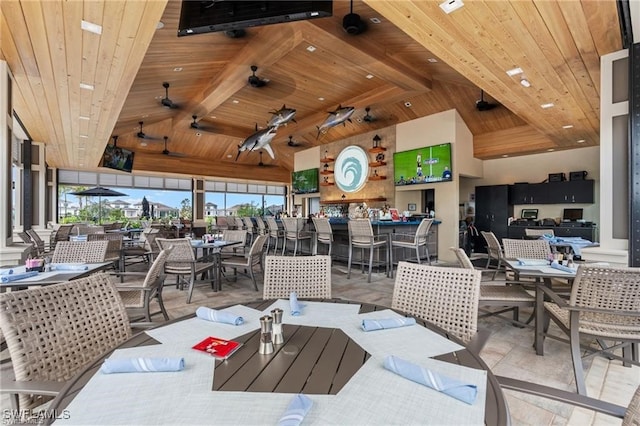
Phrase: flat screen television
(305,181)
(572,214)
(118,158)
(423,165)
(198,17)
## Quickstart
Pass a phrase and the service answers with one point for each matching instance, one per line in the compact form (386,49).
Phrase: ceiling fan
(166,151)
(482,105)
(143,135)
(166,102)
(198,126)
(293,143)
(254,80)
(368,118)
(261,164)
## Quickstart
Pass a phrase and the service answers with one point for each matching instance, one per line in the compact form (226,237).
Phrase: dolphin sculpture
(282,116)
(340,115)
(260,139)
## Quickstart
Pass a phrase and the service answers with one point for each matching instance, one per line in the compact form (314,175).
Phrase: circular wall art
(351,169)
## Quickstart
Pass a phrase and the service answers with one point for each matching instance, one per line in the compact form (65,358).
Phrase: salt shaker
(266,344)
(278,338)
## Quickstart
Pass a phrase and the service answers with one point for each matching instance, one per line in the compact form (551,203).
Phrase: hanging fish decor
(258,140)
(282,116)
(340,115)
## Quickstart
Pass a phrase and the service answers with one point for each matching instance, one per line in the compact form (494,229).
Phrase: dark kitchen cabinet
(525,193)
(572,191)
(493,209)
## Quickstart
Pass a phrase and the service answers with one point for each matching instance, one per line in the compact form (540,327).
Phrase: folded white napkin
(296,410)
(293,303)
(147,365)
(464,392)
(533,262)
(383,323)
(218,316)
(16,277)
(69,267)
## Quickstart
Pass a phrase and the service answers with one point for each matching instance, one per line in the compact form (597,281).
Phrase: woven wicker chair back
(526,249)
(255,253)
(157,268)
(52,332)
(235,235)
(239,222)
(360,232)
(292,227)
(446,297)
(422,233)
(308,276)
(324,233)
(610,288)
(529,232)
(24,236)
(114,248)
(80,252)
(63,232)
(36,240)
(181,257)
(274,232)
(248,224)
(463,259)
(493,245)
(632,415)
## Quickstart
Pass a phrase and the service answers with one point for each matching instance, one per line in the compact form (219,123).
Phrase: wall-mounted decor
(351,169)
(411,207)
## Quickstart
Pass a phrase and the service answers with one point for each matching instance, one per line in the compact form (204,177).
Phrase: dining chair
(239,223)
(447,297)
(275,233)
(143,249)
(361,236)
(39,243)
(293,231)
(114,248)
(249,261)
(504,297)
(604,306)
(494,252)
(262,228)
(182,263)
(137,295)
(535,232)
(80,252)
(324,234)
(62,233)
(249,227)
(526,249)
(417,241)
(53,332)
(33,252)
(308,276)
(237,235)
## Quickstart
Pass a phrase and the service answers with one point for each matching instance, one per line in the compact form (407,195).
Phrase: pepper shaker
(277,336)
(266,344)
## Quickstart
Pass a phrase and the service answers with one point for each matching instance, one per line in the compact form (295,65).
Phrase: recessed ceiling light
(504,155)
(451,5)
(407,104)
(235,101)
(551,149)
(82,117)
(581,141)
(86,86)
(547,105)
(143,144)
(198,134)
(375,20)
(369,76)
(84,136)
(321,99)
(213,116)
(91,27)
(525,83)
(514,71)
(567,126)
(432,60)
(177,69)
(311,48)
(229,156)
(159,25)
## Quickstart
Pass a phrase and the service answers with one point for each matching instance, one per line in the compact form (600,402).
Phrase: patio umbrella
(99,191)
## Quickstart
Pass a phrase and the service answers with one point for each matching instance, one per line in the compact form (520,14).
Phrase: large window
(242,199)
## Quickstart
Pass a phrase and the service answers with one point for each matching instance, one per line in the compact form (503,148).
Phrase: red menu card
(219,348)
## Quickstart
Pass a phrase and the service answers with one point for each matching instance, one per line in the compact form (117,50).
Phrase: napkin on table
(533,262)
(132,365)
(383,323)
(556,265)
(69,267)
(218,316)
(6,271)
(16,277)
(464,392)
(293,303)
(296,410)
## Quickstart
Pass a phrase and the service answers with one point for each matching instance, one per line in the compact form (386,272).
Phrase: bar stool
(324,234)
(293,232)
(361,236)
(274,234)
(418,241)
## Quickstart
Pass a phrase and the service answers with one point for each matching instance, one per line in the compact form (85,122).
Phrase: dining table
(56,273)
(212,252)
(325,354)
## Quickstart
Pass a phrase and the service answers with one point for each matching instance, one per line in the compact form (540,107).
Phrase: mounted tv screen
(118,158)
(423,165)
(305,181)
(198,17)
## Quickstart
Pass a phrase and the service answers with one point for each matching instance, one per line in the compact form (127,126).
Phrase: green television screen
(305,181)
(423,165)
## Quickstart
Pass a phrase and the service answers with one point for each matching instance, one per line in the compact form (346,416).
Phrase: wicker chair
(416,242)
(293,232)
(250,228)
(324,234)
(604,305)
(494,252)
(62,233)
(114,248)
(505,297)
(361,236)
(446,297)
(144,250)
(275,234)
(262,228)
(40,245)
(238,235)
(137,295)
(53,332)
(80,252)
(526,249)
(33,252)
(182,263)
(249,261)
(535,232)
(308,276)
(239,223)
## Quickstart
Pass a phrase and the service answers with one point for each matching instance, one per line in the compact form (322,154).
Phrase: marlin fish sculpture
(340,115)
(282,116)
(260,139)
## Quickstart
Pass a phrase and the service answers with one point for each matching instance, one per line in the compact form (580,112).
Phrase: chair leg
(370,263)
(161,303)
(349,262)
(253,278)
(574,339)
(191,285)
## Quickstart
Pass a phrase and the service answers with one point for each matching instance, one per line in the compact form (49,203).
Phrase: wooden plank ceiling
(415,55)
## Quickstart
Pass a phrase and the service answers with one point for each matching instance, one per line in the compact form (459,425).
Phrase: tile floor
(508,352)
